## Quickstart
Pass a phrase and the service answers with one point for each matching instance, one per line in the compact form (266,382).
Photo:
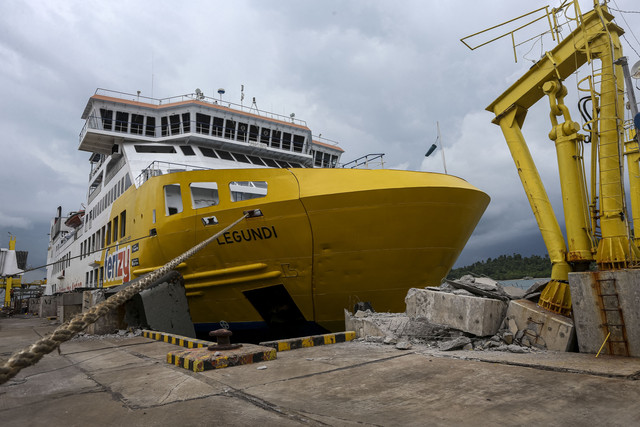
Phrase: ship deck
(115,381)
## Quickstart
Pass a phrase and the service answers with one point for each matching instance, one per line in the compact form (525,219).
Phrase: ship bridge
(113,118)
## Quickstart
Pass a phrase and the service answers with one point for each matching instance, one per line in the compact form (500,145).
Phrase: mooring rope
(31,355)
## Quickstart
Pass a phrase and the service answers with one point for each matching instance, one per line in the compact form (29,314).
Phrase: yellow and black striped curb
(198,360)
(312,341)
(176,339)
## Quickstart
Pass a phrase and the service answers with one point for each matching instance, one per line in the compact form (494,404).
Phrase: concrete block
(48,306)
(541,327)
(71,298)
(375,324)
(34,305)
(107,324)
(67,312)
(475,315)
(622,290)
(162,308)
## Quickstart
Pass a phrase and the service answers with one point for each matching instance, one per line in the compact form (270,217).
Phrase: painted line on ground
(311,341)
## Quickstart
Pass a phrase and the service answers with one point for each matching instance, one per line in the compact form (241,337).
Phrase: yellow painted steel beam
(633,163)
(615,249)
(225,271)
(141,271)
(242,279)
(511,123)
(559,64)
(571,171)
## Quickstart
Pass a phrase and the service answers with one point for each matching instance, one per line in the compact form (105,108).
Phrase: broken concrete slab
(477,316)
(541,328)
(481,286)
(454,344)
(607,302)
(391,328)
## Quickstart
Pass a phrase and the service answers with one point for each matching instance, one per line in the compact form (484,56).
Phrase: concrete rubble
(470,314)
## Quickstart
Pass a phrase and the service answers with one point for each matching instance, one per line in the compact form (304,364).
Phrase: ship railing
(368,161)
(157,168)
(253,109)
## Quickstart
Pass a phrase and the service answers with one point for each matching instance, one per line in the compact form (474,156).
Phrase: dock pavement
(127,381)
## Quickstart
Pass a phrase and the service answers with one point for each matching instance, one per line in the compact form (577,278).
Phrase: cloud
(13,221)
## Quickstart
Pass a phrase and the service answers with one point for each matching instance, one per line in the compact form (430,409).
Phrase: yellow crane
(597,225)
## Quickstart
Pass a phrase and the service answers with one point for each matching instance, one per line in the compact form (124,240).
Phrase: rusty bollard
(223,339)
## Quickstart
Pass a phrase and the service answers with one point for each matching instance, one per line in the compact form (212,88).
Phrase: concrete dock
(127,381)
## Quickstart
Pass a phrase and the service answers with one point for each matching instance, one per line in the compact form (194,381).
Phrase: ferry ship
(165,174)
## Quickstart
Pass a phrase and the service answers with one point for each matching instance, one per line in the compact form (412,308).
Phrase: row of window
(205,194)
(324,160)
(188,150)
(104,236)
(62,263)
(110,196)
(176,124)
(93,279)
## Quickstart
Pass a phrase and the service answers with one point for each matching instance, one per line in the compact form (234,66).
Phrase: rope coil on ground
(32,354)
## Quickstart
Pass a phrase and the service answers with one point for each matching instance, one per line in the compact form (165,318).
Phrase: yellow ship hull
(328,238)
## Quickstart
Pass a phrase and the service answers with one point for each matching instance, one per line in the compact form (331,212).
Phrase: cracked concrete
(127,381)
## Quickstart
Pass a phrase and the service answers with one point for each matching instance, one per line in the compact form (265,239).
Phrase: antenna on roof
(199,94)
(254,105)
(221,92)
(241,94)
(292,115)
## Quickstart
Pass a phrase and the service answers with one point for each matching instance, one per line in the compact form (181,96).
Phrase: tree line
(506,267)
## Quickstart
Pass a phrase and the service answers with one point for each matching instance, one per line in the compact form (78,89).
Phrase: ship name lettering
(247,235)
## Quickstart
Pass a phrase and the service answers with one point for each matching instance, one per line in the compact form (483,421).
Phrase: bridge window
(254,131)
(225,155)
(208,152)
(186,122)
(172,199)
(286,141)
(137,120)
(230,129)
(255,160)
(154,149)
(175,124)
(275,139)
(187,150)
(298,143)
(107,118)
(271,162)
(164,126)
(218,123)
(203,123)
(242,132)
(204,194)
(264,135)
(241,158)
(246,190)
(151,126)
(122,121)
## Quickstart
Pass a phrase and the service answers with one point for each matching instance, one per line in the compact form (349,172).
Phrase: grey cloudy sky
(374,75)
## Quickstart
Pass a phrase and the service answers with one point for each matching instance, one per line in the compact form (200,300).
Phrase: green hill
(506,267)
